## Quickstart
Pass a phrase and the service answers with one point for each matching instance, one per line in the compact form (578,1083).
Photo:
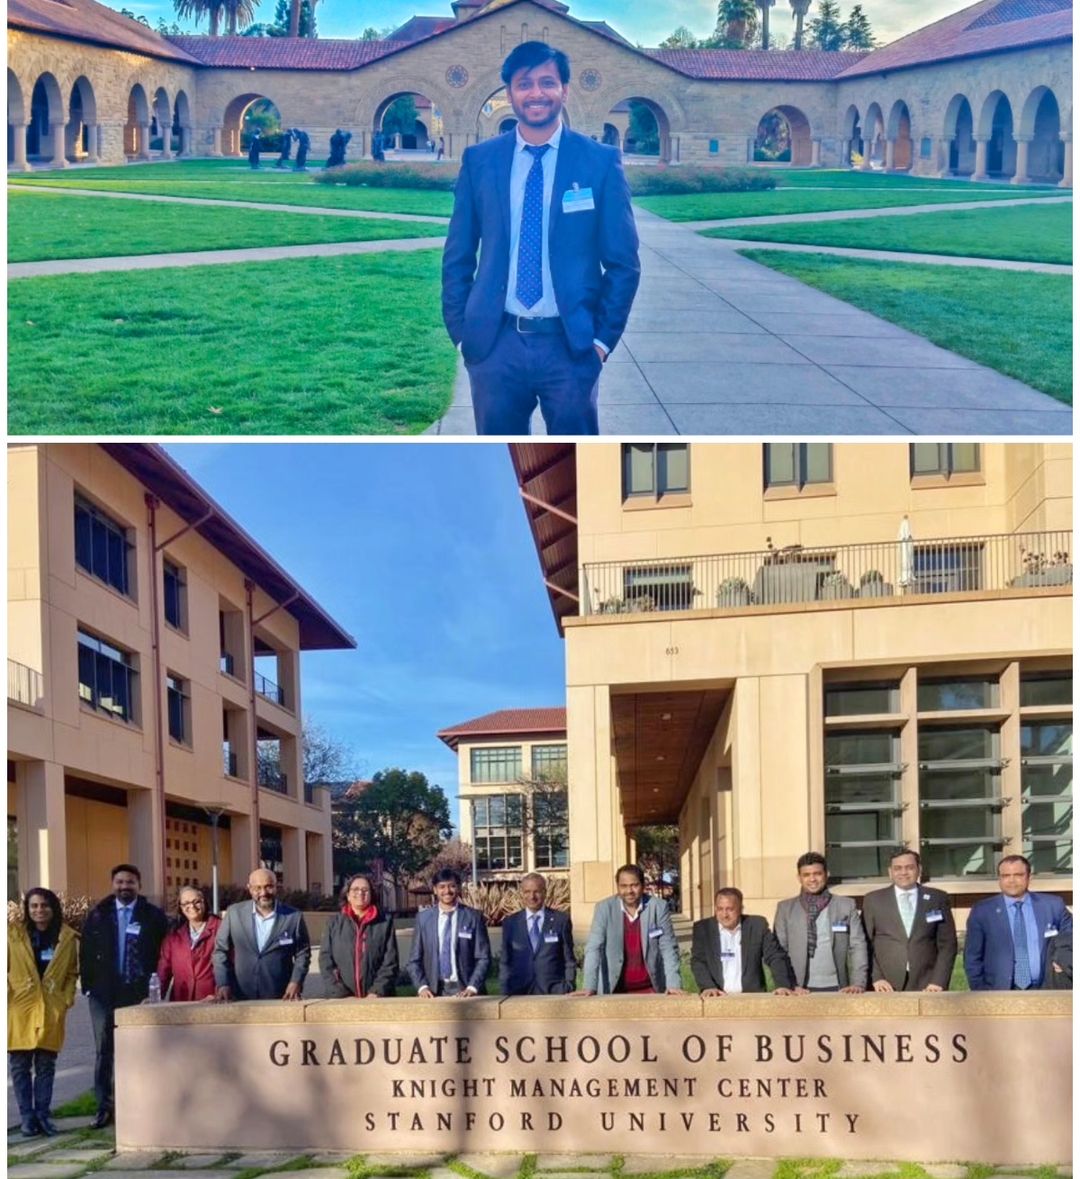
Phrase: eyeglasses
(198,903)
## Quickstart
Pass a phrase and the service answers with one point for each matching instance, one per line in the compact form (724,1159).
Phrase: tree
(397,822)
(453,854)
(682,38)
(167,30)
(826,29)
(325,759)
(657,848)
(237,13)
(195,10)
(400,117)
(736,24)
(643,133)
(373,34)
(857,31)
(764,6)
(131,16)
(800,8)
(279,27)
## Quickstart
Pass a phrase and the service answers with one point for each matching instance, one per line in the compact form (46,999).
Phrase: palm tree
(765,5)
(800,8)
(238,12)
(736,20)
(197,9)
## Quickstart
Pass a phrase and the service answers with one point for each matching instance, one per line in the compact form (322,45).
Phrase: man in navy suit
(450,952)
(1008,935)
(558,268)
(537,946)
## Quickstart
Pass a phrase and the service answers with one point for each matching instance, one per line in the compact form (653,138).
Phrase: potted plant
(835,585)
(1039,569)
(733,591)
(641,604)
(613,606)
(872,584)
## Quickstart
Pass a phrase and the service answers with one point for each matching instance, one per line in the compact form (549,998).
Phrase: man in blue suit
(450,952)
(537,946)
(1008,935)
(558,268)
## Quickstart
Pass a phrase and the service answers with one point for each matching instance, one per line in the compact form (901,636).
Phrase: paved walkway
(717,344)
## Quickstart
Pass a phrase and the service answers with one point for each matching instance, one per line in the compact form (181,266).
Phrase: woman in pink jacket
(186,953)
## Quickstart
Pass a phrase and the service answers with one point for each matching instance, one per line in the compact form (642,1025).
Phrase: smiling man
(549,212)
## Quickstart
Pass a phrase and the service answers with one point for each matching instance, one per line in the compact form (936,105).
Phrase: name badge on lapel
(934,915)
(48,954)
(577,199)
(465,933)
(840,927)
(134,929)
(286,939)
(1051,931)
(656,933)
(552,938)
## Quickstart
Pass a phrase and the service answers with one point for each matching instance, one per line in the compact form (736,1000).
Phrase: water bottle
(154,992)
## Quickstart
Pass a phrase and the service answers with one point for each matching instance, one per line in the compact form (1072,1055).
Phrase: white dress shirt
(731,958)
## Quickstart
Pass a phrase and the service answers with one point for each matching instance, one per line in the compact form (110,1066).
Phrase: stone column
(1023,148)
(166,140)
(185,139)
(146,840)
(59,137)
(397,141)
(944,152)
(890,155)
(815,153)
(143,152)
(18,144)
(868,153)
(215,149)
(294,857)
(39,817)
(1066,179)
(845,153)
(981,142)
(91,143)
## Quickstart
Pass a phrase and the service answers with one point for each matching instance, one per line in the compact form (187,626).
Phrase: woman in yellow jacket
(43,966)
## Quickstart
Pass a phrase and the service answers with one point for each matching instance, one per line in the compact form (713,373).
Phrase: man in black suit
(537,946)
(910,929)
(450,952)
(729,951)
(121,941)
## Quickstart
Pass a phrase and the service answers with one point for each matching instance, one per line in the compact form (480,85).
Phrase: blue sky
(423,554)
(645,24)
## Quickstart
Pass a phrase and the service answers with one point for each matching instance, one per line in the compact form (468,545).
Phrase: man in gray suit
(262,950)
(822,933)
(911,930)
(631,947)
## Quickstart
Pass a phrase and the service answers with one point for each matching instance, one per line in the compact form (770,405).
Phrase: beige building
(985,92)
(787,647)
(153,681)
(512,791)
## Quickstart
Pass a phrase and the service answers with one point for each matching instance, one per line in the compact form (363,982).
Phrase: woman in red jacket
(186,954)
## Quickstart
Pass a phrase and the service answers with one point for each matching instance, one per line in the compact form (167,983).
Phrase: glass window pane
(943,695)
(638,469)
(1049,781)
(862,699)
(975,783)
(83,538)
(926,459)
(779,463)
(854,863)
(866,827)
(1055,688)
(957,822)
(1046,740)
(1047,818)
(100,557)
(964,456)
(497,811)
(869,748)
(818,462)
(868,788)
(956,744)
(673,467)
(944,861)
(1051,858)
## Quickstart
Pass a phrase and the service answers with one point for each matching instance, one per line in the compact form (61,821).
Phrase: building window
(862,802)
(960,800)
(1046,795)
(107,678)
(497,832)
(175,586)
(552,830)
(955,694)
(945,459)
(659,587)
(862,699)
(102,548)
(947,568)
(179,700)
(501,764)
(1050,688)
(795,464)
(549,762)
(655,469)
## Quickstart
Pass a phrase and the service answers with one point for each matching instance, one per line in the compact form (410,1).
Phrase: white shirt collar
(553,142)
(255,910)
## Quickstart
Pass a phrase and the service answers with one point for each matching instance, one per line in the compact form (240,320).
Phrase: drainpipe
(158,802)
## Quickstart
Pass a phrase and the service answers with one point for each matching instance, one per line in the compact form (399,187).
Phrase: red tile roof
(756,65)
(283,53)
(416,28)
(987,27)
(86,20)
(506,721)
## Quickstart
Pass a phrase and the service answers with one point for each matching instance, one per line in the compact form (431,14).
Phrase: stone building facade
(985,92)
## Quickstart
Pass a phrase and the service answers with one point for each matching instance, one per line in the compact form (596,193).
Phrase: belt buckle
(524,331)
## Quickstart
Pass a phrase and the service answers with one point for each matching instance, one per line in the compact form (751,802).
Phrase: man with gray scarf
(822,934)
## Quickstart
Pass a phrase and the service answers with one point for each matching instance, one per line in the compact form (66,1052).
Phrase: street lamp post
(215,811)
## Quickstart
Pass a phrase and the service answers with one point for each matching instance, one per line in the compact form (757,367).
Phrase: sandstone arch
(959,132)
(792,128)
(898,154)
(232,131)
(1040,122)
(137,127)
(995,127)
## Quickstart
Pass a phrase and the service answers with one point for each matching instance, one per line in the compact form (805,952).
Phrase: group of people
(286,137)
(904,940)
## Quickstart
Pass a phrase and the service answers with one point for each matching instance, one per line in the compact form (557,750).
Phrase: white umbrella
(907,554)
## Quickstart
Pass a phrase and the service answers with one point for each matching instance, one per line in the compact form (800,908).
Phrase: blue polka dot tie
(530,279)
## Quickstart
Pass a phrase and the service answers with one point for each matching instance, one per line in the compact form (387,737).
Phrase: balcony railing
(309,791)
(25,685)
(228,758)
(228,663)
(793,575)
(271,779)
(269,690)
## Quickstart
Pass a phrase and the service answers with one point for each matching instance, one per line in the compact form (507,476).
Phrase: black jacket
(759,945)
(98,952)
(551,970)
(337,957)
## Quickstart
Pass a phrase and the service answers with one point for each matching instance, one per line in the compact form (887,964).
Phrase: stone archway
(850,136)
(137,127)
(45,134)
(235,138)
(783,137)
(406,120)
(646,131)
(995,138)
(17,124)
(507,125)
(82,126)
(181,123)
(611,136)
(873,132)
(161,125)
(1039,139)
(898,154)
(959,135)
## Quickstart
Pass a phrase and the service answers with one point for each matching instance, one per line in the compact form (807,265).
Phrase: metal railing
(796,574)
(25,685)
(269,690)
(228,759)
(272,779)
(228,663)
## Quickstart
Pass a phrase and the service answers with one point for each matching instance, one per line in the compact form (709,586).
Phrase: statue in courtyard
(377,142)
(303,146)
(253,150)
(286,147)
(338,142)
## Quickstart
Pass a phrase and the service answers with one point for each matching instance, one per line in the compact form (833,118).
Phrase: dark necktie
(122,917)
(1021,961)
(446,962)
(534,931)
(530,278)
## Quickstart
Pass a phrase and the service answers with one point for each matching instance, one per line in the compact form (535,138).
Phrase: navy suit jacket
(473,949)
(593,254)
(988,949)
(551,970)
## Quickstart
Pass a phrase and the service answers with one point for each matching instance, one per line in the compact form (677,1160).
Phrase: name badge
(464,933)
(935,915)
(840,927)
(578,200)
(134,929)
(48,954)
(286,939)
(727,953)
(551,938)
(656,933)
(1051,931)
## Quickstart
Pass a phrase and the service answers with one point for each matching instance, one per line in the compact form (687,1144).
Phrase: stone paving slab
(967,389)
(944,1171)
(756,421)
(27,1146)
(45,1170)
(854,1170)
(318,1173)
(498,1165)
(698,382)
(197,1162)
(574,1162)
(677,347)
(862,324)
(951,421)
(79,1154)
(262,1158)
(73,1123)
(163,1174)
(406,1159)
(751,1169)
(645,1164)
(871,352)
(133,1160)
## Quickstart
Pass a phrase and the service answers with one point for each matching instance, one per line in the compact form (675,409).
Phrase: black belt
(537,325)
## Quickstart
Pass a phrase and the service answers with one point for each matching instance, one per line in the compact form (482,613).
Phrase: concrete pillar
(146,841)
(397,141)
(185,139)
(1023,148)
(845,153)
(92,143)
(890,155)
(1066,179)
(244,849)
(944,152)
(815,153)
(166,140)
(868,153)
(42,828)
(294,857)
(143,152)
(19,164)
(215,149)
(981,142)
(59,135)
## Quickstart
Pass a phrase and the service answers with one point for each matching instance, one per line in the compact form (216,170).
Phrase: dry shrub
(73,908)
(498,899)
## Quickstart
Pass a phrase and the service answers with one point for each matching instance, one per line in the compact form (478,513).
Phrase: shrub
(437,177)
(74,909)
(498,899)
(671,181)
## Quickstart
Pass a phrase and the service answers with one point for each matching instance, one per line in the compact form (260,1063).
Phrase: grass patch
(1017,323)
(1034,233)
(57,226)
(83,1106)
(349,345)
(849,178)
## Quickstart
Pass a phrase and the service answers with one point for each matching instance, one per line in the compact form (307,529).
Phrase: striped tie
(530,278)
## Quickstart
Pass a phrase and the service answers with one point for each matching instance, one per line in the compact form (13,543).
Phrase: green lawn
(1018,323)
(351,345)
(57,226)
(708,206)
(848,178)
(1037,233)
